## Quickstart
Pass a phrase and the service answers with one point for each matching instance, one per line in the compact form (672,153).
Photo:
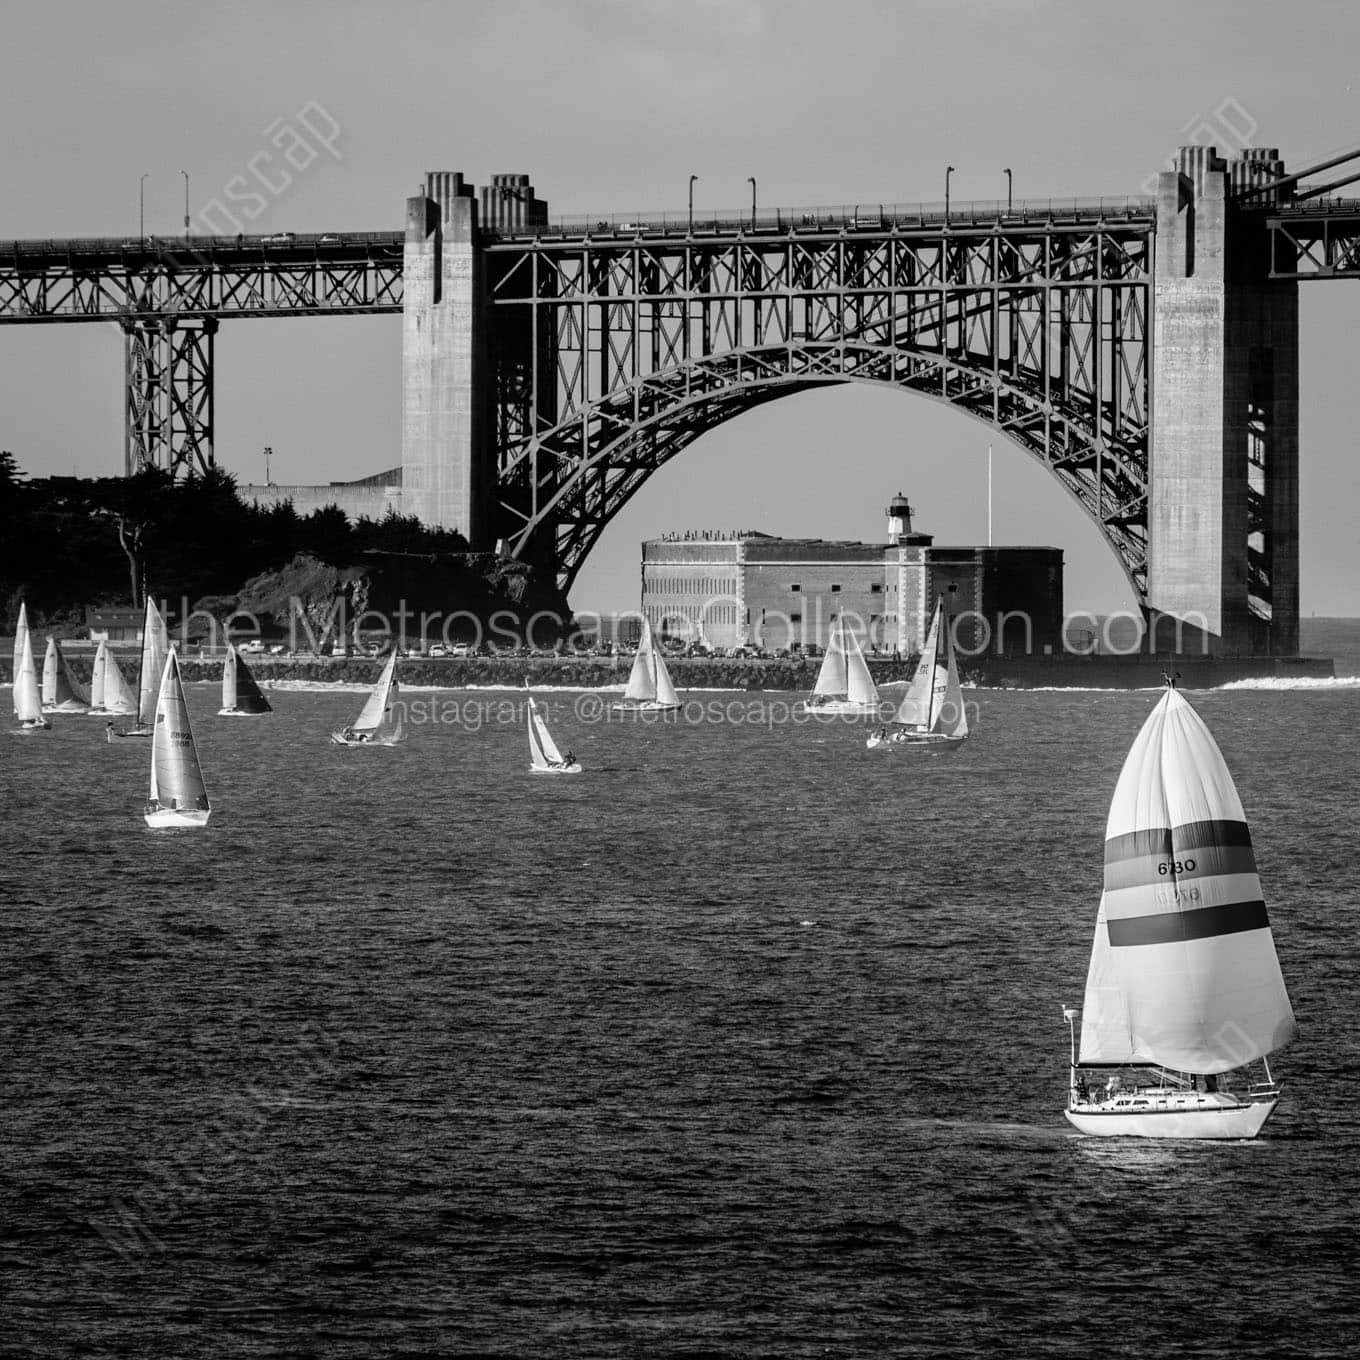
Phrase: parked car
(438,650)
(254,645)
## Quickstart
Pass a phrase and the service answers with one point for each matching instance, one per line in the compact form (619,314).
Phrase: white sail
(543,750)
(665,690)
(860,687)
(642,678)
(950,716)
(229,679)
(176,778)
(1183,969)
(118,697)
(27,695)
(49,675)
(20,633)
(240,694)
(917,704)
(831,678)
(60,689)
(97,676)
(155,649)
(378,709)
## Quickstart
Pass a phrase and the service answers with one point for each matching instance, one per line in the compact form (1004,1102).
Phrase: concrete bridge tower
(449,427)
(1223,558)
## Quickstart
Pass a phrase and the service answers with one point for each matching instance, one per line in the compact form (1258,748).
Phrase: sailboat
(61,691)
(109,692)
(375,725)
(544,756)
(931,715)
(1184,985)
(178,796)
(241,696)
(649,687)
(26,693)
(844,684)
(155,649)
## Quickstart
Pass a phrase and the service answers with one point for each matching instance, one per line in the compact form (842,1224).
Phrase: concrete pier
(446,464)
(1224,456)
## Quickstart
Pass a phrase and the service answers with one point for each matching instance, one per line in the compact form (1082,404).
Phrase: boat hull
(243,712)
(67,706)
(573,768)
(643,706)
(342,739)
(1222,1121)
(913,741)
(835,708)
(161,818)
(27,728)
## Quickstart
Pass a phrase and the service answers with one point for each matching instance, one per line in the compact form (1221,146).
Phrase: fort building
(746,588)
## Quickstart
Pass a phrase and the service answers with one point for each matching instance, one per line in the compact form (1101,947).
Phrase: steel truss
(221,276)
(1315,240)
(169,416)
(631,351)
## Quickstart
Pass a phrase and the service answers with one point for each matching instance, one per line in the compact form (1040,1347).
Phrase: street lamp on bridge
(1008,191)
(185,173)
(948,170)
(751,179)
(692,178)
(141,205)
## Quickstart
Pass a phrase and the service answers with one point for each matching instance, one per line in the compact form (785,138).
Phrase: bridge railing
(190,246)
(850,217)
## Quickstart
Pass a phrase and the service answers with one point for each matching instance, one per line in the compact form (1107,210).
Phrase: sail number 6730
(1176,866)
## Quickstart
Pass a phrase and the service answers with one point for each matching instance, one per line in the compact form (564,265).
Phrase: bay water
(745,1042)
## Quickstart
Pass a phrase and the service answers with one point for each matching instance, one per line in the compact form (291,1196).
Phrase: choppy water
(746,1042)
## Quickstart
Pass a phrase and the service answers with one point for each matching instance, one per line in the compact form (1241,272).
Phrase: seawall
(731,673)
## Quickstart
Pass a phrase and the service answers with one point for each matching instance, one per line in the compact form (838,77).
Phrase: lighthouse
(899,525)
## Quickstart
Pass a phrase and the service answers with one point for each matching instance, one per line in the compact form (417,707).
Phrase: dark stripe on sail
(1167,927)
(1160,840)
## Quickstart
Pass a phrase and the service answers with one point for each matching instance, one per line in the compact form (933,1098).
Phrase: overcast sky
(610,106)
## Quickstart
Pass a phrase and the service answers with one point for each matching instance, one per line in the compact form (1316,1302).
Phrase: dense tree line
(69,542)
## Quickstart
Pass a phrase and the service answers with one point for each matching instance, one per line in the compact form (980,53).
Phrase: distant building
(729,589)
(114,625)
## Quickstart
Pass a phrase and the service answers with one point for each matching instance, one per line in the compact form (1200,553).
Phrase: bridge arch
(574,487)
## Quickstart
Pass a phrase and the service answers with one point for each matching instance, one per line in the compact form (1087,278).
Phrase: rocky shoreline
(736,673)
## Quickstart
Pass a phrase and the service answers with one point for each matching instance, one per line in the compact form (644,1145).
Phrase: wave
(1296,682)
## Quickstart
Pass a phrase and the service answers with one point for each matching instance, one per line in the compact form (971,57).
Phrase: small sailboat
(109,692)
(61,691)
(649,687)
(1184,985)
(241,696)
(178,796)
(544,755)
(27,694)
(844,684)
(931,715)
(155,649)
(378,724)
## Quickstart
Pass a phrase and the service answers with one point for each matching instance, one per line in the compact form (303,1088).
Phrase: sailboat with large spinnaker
(178,796)
(649,688)
(378,723)
(931,715)
(843,683)
(1184,985)
(241,695)
(26,692)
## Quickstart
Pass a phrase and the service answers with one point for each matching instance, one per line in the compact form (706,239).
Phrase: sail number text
(1173,897)
(1176,866)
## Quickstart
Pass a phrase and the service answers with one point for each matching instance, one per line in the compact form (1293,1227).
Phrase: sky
(609,106)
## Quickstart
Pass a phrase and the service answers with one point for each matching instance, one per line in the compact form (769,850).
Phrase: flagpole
(989,495)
